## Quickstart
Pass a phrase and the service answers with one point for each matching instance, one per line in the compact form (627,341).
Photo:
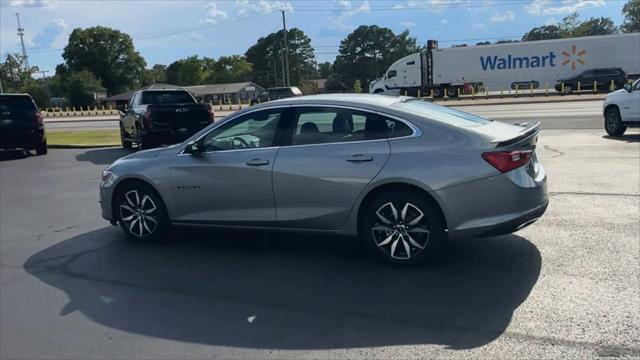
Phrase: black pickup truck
(157,117)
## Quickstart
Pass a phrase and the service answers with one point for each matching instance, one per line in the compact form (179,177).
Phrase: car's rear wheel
(123,138)
(401,227)
(613,122)
(41,149)
(141,213)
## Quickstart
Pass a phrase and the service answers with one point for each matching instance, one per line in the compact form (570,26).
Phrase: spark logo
(573,57)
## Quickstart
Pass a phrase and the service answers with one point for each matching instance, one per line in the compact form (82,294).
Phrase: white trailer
(505,66)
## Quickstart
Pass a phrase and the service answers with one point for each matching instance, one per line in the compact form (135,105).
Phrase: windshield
(16,103)
(166,97)
(441,113)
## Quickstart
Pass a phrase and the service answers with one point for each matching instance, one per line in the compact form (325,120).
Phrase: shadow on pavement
(630,138)
(251,290)
(14,155)
(103,156)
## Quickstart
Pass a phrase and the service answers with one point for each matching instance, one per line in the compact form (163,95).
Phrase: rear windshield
(166,97)
(16,103)
(441,113)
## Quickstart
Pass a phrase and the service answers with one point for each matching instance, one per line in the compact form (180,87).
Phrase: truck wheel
(125,143)
(452,92)
(437,92)
(144,143)
(41,149)
(613,123)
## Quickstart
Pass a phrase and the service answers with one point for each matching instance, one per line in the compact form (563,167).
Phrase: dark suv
(601,77)
(21,125)
(276,93)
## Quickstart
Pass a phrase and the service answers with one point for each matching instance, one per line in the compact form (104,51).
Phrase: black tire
(144,143)
(613,122)
(41,149)
(568,89)
(137,206)
(452,92)
(422,239)
(437,92)
(125,143)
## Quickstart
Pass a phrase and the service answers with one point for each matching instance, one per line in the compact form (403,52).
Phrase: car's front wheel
(613,122)
(123,138)
(141,213)
(401,227)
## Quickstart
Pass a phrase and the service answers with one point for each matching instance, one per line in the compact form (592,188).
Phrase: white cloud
(477,26)
(548,7)
(398,6)
(213,13)
(408,24)
(507,16)
(445,21)
(349,11)
(262,6)
(33,3)
(52,35)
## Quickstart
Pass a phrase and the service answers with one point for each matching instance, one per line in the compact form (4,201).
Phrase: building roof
(218,89)
(127,95)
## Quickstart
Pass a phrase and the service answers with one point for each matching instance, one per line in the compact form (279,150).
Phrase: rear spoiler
(528,129)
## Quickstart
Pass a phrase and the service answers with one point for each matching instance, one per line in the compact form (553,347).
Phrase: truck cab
(402,74)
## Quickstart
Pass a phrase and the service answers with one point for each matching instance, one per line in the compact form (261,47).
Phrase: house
(225,93)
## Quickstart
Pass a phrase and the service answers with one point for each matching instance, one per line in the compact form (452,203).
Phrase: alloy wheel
(138,213)
(400,234)
(612,121)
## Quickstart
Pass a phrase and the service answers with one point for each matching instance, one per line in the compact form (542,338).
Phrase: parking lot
(567,286)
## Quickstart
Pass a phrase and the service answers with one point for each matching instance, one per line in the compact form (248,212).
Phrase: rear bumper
(169,136)
(21,139)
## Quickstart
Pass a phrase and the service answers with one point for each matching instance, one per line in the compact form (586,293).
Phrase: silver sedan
(401,174)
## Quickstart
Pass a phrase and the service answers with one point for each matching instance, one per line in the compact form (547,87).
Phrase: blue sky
(166,30)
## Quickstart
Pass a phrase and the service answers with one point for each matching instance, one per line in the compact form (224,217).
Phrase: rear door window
(16,103)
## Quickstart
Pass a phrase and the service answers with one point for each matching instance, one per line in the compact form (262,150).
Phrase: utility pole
(284,76)
(24,50)
(44,73)
(286,50)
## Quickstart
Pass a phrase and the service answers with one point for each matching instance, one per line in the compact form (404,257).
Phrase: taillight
(38,118)
(211,116)
(506,161)
(147,119)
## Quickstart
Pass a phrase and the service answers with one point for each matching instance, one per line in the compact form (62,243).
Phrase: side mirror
(628,87)
(193,148)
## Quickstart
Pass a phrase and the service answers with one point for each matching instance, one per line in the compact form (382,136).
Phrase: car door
(630,104)
(230,180)
(331,154)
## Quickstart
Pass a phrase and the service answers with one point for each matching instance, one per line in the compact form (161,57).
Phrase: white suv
(621,109)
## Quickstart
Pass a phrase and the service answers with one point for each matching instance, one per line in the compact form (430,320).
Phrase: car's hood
(616,93)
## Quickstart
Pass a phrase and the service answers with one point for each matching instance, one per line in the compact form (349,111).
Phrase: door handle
(360,158)
(257,162)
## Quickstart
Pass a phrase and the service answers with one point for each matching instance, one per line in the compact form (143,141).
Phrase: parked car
(602,77)
(621,109)
(156,117)
(21,124)
(276,94)
(402,174)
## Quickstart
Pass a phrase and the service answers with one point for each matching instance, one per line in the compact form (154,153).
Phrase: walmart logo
(517,62)
(573,57)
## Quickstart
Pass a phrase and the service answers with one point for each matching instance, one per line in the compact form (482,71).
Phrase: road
(566,287)
(553,115)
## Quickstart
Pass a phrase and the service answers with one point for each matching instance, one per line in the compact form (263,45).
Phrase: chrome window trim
(416,130)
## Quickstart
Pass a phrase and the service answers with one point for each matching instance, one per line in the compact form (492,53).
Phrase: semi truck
(523,65)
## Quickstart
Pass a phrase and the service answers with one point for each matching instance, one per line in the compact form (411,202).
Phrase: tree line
(101,59)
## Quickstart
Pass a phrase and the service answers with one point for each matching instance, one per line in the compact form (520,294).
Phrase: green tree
(227,69)
(13,74)
(325,69)
(368,51)
(106,53)
(631,12)
(39,92)
(544,32)
(80,87)
(594,26)
(153,75)
(266,58)
(184,72)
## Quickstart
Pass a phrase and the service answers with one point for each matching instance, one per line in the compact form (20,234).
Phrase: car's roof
(366,99)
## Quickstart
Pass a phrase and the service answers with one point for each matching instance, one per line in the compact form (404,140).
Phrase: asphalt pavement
(565,287)
(552,115)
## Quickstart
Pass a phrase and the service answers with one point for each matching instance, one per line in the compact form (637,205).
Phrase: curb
(73,146)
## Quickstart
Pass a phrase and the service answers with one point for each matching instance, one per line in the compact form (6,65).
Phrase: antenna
(25,58)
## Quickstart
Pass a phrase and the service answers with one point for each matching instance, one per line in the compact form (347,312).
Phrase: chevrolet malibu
(401,174)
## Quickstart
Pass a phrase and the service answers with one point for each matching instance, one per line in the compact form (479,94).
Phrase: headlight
(107,177)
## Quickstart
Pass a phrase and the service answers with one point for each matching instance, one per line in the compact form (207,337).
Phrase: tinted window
(315,125)
(166,97)
(392,73)
(253,130)
(395,128)
(16,103)
(441,113)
